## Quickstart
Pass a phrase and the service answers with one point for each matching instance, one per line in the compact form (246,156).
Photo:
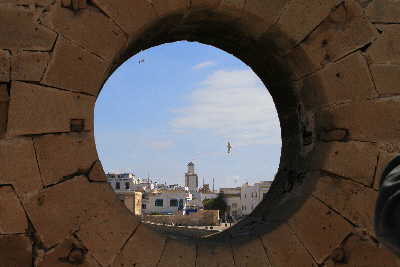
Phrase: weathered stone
(29,66)
(37,109)
(12,215)
(319,228)
(349,160)
(386,78)
(75,69)
(384,159)
(363,252)
(232,8)
(62,155)
(178,253)
(4,99)
(97,173)
(214,255)
(344,81)
(334,135)
(22,32)
(165,8)
(385,49)
(284,249)
(16,251)
(384,11)
(133,16)
(19,166)
(147,245)
(351,200)
(5,66)
(91,29)
(204,4)
(345,30)
(293,26)
(250,253)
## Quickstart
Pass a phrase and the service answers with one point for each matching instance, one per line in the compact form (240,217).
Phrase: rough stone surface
(5,66)
(62,155)
(284,249)
(29,66)
(170,7)
(386,78)
(384,11)
(12,215)
(250,253)
(97,173)
(178,253)
(324,222)
(16,251)
(385,49)
(37,109)
(4,99)
(214,255)
(19,167)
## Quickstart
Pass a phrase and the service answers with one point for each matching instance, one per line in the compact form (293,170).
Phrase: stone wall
(332,68)
(200,218)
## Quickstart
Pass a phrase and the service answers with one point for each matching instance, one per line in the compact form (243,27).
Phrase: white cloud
(234,105)
(161,144)
(203,65)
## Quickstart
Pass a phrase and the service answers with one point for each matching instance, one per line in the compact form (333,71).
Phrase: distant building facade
(252,195)
(191,178)
(232,198)
(165,202)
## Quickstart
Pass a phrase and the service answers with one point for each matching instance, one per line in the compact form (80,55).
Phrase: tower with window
(191,178)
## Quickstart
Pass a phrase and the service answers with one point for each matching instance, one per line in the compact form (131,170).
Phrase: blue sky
(184,103)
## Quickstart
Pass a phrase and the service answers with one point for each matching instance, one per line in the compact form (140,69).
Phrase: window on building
(143,206)
(117,185)
(126,185)
(173,203)
(159,203)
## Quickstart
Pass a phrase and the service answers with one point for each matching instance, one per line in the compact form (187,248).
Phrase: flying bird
(229,147)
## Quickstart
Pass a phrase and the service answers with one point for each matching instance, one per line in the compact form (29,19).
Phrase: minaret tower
(191,178)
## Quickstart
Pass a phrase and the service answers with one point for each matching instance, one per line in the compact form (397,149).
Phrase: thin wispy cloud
(203,65)
(161,144)
(232,104)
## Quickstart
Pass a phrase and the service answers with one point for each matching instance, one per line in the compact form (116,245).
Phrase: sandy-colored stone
(5,66)
(214,255)
(333,135)
(12,215)
(147,245)
(75,69)
(345,30)
(16,251)
(29,66)
(178,253)
(204,4)
(362,252)
(36,109)
(384,159)
(4,99)
(22,32)
(19,166)
(319,228)
(250,253)
(385,49)
(62,155)
(284,249)
(91,29)
(165,8)
(351,200)
(384,11)
(97,172)
(349,160)
(133,16)
(386,78)
(344,81)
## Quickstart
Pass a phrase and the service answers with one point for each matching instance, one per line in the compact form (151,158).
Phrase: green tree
(217,203)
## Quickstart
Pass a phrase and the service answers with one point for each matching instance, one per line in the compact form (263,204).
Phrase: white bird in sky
(229,147)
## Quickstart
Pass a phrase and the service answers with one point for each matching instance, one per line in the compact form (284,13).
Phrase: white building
(232,198)
(165,202)
(252,195)
(122,182)
(191,178)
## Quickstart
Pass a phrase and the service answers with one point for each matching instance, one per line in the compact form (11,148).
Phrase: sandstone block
(250,253)
(334,135)
(133,16)
(22,31)
(344,81)
(214,255)
(355,160)
(63,155)
(75,69)
(91,29)
(37,109)
(319,228)
(384,11)
(232,8)
(345,30)
(29,66)
(16,251)
(385,48)
(148,246)
(284,249)
(4,98)
(179,253)
(170,7)
(19,166)
(351,200)
(359,251)
(97,173)
(5,66)
(386,78)
(12,215)
(204,4)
